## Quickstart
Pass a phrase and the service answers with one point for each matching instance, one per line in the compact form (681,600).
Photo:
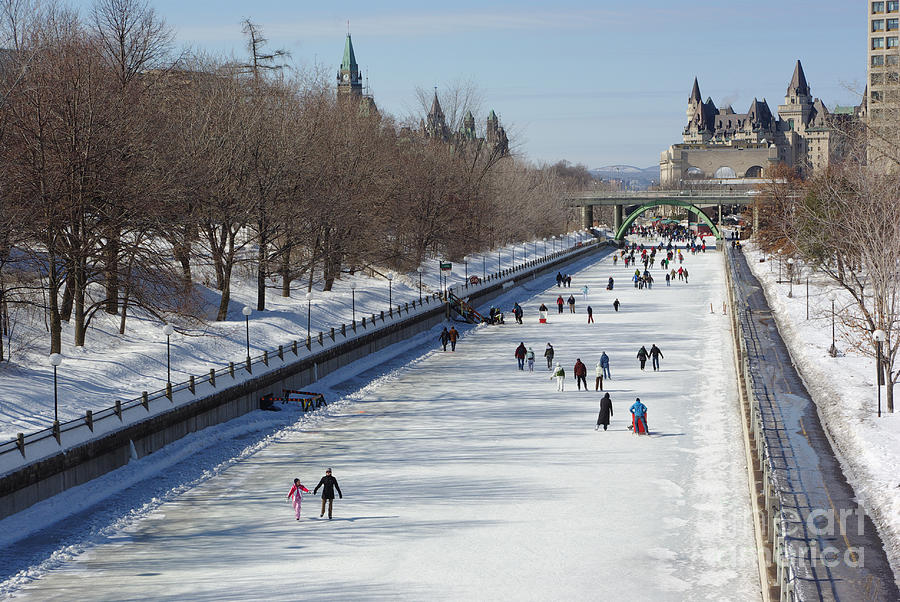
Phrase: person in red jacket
(560,302)
(296,496)
(580,374)
(520,355)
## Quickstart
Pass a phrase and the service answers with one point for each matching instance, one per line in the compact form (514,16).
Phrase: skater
(445,338)
(598,372)
(517,313)
(609,284)
(685,276)
(590,313)
(655,354)
(668,279)
(568,281)
(584,292)
(559,303)
(606,411)
(296,496)
(453,335)
(548,353)
(639,418)
(616,305)
(520,355)
(572,304)
(615,259)
(642,356)
(560,375)
(529,357)
(328,484)
(580,374)
(559,279)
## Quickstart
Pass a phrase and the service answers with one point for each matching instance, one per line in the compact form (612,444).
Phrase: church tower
(349,78)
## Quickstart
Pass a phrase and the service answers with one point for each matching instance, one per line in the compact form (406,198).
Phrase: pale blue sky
(592,82)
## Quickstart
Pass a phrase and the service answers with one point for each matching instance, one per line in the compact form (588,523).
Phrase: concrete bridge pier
(617,218)
(587,217)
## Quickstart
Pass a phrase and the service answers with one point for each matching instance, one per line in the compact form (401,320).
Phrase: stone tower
(349,78)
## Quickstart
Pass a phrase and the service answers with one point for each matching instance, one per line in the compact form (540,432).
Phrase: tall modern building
(883,81)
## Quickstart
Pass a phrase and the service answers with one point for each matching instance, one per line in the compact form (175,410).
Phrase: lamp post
(308,312)
(791,276)
(353,297)
(419,270)
(247,311)
(466,263)
(879,337)
(169,330)
(832,351)
(483,268)
(390,278)
(56,360)
(554,242)
(545,246)
(498,262)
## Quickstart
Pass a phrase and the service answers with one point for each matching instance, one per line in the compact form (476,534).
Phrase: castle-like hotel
(719,144)
(434,126)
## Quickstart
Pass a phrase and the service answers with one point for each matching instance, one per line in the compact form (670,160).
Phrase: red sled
(639,425)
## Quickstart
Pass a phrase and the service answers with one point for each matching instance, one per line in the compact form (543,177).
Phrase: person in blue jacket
(604,363)
(639,418)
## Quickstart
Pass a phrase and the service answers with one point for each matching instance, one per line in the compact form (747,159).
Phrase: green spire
(349,62)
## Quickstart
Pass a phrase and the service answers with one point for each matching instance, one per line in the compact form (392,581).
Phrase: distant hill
(634,177)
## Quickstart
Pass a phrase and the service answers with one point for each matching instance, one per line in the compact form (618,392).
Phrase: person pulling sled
(639,418)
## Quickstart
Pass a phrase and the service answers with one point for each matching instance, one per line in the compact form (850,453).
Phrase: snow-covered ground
(463,478)
(112,366)
(844,390)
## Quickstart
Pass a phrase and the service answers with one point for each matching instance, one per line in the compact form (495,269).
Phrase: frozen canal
(464,478)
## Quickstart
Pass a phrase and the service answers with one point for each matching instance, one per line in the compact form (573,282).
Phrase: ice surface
(464,478)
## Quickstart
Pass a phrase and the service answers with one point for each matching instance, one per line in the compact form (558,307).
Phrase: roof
(436,106)
(695,93)
(349,62)
(798,85)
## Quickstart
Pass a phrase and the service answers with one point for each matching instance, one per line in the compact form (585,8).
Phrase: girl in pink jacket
(296,495)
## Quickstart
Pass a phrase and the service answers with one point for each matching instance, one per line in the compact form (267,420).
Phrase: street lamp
(55,360)
(419,269)
(466,263)
(353,297)
(483,268)
(308,311)
(498,262)
(833,350)
(169,330)
(390,278)
(791,276)
(545,246)
(879,337)
(554,242)
(247,311)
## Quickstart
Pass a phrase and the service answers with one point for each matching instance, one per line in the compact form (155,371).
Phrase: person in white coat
(529,357)
(560,375)
(598,372)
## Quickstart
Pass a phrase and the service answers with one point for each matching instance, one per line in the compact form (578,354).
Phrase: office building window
(877,43)
(877,78)
(893,24)
(878,60)
(877,24)
(892,41)
(893,59)
(893,6)
(876,96)
(877,7)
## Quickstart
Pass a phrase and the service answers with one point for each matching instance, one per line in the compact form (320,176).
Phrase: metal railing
(48,441)
(772,523)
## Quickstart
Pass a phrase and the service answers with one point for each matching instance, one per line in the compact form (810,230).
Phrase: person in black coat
(642,356)
(655,353)
(606,411)
(328,484)
(445,338)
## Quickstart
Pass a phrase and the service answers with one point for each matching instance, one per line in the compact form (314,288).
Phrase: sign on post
(446,267)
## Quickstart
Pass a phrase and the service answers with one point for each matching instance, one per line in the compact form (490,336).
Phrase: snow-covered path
(464,478)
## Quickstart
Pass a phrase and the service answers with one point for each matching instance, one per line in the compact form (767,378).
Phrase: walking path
(834,549)
(464,478)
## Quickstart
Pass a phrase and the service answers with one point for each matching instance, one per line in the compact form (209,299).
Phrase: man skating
(580,374)
(655,354)
(445,338)
(328,484)
(604,363)
(521,350)
(548,353)
(453,335)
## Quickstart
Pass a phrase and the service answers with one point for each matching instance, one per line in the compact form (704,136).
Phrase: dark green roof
(349,62)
